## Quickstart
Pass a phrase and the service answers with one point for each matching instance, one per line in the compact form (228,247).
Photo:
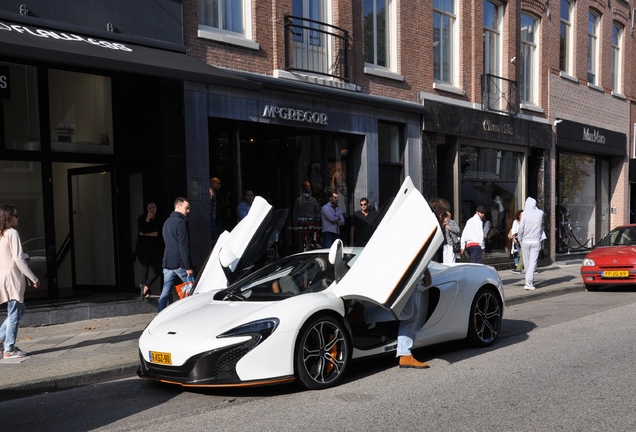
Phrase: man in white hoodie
(529,236)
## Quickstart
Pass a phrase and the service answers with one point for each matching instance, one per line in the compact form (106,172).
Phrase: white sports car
(292,320)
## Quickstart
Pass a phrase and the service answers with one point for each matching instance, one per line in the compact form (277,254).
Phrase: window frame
(616,76)
(390,37)
(450,77)
(244,39)
(530,96)
(593,47)
(566,52)
(497,32)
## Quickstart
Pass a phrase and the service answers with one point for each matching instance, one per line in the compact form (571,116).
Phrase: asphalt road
(563,363)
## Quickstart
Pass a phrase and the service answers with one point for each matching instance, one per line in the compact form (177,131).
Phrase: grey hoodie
(531,225)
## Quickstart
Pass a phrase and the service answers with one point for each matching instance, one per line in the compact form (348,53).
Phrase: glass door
(92,232)
(311,42)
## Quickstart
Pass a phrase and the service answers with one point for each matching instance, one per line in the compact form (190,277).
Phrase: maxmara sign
(295,115)
(70,37)
(496,128)
(594,136)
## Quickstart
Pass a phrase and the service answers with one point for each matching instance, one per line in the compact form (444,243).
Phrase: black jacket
(175,236)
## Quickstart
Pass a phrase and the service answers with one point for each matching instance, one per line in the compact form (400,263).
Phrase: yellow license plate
(615,273)
(160,357)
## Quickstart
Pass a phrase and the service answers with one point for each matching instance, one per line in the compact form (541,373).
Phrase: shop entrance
(274,162)
(92,241)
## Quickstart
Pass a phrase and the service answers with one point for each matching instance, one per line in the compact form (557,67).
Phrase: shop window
(491,177)
(80,112)
(20,123)
(576,211)
(23,189)
(228,21)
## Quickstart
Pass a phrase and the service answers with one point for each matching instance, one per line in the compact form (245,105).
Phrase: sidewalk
(102,349)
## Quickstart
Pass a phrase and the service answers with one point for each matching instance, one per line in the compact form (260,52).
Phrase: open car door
(393,261)
(236,252)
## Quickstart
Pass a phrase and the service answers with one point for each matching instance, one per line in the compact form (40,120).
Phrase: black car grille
(212,367)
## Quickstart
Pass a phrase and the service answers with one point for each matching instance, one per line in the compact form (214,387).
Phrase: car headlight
(264,328)
(589,262)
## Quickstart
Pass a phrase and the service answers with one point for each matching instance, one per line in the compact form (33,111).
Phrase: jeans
(9,328)
(168,279)
(328,238)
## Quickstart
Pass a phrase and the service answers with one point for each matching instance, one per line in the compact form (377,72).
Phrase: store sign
(295,115)
(5,88)
(70,37)
(496,128)
(594,136)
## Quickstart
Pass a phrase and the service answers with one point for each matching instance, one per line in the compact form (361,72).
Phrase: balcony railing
(499,94)
(315,47)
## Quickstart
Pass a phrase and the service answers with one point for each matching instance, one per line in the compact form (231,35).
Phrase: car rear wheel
(322,353)
(485,318)
(591,287)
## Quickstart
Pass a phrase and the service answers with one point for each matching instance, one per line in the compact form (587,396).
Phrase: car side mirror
(227,257)
(336,258)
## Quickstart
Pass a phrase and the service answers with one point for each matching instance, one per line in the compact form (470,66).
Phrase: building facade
(483,102)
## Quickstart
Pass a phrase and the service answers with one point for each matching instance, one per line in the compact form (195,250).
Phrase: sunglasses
(15,215)
(363,204)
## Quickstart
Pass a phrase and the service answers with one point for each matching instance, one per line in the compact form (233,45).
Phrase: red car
(612,261)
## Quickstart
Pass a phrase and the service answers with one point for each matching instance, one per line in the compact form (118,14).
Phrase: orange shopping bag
(185,289)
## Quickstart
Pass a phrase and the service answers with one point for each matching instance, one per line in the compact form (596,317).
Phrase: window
(228,21)
(19,120)
(444,40)
(617,37)
(565,54)
(592,48)
(80,112)
(379,40)
(493,13)
(391,159)
(529,74)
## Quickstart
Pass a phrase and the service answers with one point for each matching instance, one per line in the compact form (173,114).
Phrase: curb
(31,388)
(540,295)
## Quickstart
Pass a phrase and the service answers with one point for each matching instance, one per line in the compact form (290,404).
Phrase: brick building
(508,105)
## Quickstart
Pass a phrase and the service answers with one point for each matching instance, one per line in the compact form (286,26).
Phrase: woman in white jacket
(13,269)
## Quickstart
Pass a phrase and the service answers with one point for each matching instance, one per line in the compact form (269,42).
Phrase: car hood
(202,312)
(236,252)
(391,264)
(608,253)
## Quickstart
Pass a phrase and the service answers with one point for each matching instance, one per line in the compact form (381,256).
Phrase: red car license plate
(615,273)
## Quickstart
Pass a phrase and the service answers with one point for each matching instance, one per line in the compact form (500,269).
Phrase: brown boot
(410,362)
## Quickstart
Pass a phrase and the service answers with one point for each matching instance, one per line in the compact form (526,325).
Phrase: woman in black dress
(149,248)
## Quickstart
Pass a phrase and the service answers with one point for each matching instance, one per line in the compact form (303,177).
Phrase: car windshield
(287,277)
(623,236)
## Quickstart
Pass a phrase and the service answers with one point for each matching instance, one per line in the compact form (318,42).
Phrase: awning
(66,48)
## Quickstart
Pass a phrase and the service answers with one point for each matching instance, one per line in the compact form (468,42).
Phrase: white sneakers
(529,287)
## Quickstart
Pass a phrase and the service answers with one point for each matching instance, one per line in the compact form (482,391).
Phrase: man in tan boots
(407,331)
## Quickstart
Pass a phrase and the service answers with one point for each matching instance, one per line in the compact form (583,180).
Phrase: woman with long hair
(148,248)
(13,269)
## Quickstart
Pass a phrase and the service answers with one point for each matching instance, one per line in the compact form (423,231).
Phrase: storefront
(586,157)
(89,124)
(487,159)
(290,133)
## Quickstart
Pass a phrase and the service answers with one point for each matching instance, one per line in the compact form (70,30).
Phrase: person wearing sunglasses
(362,226)
(13,269)
(176,254)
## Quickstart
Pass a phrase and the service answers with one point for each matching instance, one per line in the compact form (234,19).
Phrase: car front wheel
(322,353)
(485,318)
